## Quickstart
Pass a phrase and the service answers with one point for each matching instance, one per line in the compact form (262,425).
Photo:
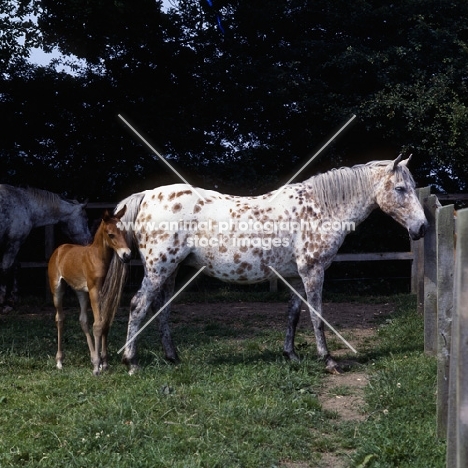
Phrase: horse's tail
(117,273)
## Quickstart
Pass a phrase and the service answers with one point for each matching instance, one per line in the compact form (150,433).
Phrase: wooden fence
(443,298)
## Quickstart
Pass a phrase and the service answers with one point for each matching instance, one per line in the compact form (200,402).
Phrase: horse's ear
(121,212)
(406,161)
(85,203)
(393,165)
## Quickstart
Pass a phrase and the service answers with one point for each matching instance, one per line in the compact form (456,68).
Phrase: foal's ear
(106,216)
(121,212)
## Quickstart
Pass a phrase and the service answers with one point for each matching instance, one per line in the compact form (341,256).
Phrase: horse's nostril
(422,230)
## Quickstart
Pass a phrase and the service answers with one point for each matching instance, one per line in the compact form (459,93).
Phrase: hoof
(292,356)
(173,359)
(96,372)
(336,370)
(332,366)
(59,365)
(5,309)
(133,369)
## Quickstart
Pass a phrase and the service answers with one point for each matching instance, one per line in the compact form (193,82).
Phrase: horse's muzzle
(415,235)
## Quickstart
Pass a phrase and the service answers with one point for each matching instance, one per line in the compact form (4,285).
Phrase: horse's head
(396,196)
(75,225)
(114,236)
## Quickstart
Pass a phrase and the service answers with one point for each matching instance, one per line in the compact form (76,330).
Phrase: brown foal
(84,269)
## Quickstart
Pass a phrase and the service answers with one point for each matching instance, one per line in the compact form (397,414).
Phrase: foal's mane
(338,186)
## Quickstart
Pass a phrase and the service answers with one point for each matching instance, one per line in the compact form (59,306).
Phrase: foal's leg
(58,290)
(294,312)
(97,329)
(83,298)
(313,284)
(139,306)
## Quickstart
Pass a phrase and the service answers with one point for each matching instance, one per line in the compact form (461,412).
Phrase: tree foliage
(236,94)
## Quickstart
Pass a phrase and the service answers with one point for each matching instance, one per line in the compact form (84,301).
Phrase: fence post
(445,265)
(417,269)
(430,277)
(457,435)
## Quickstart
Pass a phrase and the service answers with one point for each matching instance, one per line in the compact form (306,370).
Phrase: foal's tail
(117,273)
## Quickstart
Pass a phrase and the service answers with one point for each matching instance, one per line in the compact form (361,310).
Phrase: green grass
(401,402)
(232,402)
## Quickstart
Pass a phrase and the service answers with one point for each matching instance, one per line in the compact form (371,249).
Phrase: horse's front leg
(8,287)
(164,328)
(3,287)
(294,313)
(139,306)
(8,294)
(313,285)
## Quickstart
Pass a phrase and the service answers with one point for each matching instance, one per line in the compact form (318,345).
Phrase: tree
(237,106)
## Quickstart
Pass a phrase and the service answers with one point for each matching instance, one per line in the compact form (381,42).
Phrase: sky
(41,58)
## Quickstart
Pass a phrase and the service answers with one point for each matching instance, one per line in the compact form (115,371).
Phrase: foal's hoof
(133,369)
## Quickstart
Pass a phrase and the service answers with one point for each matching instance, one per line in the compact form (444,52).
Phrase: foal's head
(113,236)
(396,196)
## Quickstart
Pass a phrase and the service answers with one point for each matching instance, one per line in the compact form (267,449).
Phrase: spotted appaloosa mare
(84,268)
(22,209)
(247,235)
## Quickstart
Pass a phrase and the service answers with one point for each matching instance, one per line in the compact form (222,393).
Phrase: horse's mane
(338,186)
(45,197)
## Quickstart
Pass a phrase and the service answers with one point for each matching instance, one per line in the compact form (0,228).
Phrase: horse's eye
(111,236)
(400,189)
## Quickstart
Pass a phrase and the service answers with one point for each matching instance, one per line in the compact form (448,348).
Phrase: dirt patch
(360,318)
(341,394)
